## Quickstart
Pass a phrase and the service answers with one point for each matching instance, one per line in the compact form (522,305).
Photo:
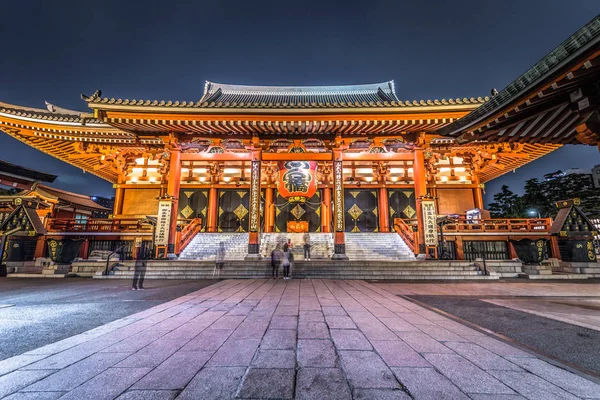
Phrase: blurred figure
(286,261)
(276,256)
(140,270)
(307,247)
(219,259)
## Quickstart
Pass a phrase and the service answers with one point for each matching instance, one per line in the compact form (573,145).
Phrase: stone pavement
(303,339)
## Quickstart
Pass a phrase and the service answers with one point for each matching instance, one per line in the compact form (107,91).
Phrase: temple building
(336,160)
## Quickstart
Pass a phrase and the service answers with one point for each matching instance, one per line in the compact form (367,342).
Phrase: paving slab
(214,384)
(149,395)
(274,359)
(322,384)
(316,353)
(380,394)
(267,384)
(396,353)
(350,339)
(464,374)
(107,385)
(365,369)
(175,372)
(428,384)
(279,339)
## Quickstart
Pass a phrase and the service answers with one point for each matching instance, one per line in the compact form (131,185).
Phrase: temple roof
(26,173)
(51,113)
(568,52)
(226,96)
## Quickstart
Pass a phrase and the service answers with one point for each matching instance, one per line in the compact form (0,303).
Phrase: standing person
(140,270)
(286,261)
(276,256)
(219,259)
(307,247)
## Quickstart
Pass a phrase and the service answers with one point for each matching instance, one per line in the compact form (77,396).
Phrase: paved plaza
(303,339)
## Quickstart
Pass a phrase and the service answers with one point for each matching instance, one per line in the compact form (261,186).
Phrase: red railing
(98,225)
(410,237)
(187,234)
(499,225)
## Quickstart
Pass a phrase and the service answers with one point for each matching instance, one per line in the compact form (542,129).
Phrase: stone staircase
(204,246)
(319,269)
(376,247)
(322,244)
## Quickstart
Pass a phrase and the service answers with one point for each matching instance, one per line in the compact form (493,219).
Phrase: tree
(536,199)
(506,204)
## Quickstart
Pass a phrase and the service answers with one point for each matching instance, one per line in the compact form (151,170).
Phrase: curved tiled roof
(59,115)
(218,95)
(584,39)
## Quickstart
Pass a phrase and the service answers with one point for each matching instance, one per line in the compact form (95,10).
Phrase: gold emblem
(355,212)
(241,211)
(18,202)
(298,211)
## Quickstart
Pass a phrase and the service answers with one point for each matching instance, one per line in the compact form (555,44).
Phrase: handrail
(98,225)
(188,233)
(536,225)
(411,238)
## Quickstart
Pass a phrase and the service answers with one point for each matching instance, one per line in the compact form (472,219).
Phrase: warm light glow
(134,179)
(185,170)
(369,178)
(140,160)
(445,169)
(394,178)
(459,169)
(444,179)
(199,170)
(136,169)
(364,170)
(397,170)
(202,179)
(231,170)
(347,170)
(410,170)
(152,179)
(226,179)
(463,179)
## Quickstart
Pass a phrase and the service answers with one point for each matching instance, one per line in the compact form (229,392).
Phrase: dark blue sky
(55,50)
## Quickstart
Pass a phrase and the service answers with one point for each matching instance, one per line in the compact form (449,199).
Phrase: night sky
(55,50)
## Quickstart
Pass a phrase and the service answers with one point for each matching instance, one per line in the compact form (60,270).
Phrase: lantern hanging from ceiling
(297,179)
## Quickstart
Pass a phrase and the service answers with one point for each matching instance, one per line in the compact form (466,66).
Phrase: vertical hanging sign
(254,196)
(338,195)
(161,237)
(429,222)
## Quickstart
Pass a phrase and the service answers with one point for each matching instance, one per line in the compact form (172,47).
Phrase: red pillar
(420,191)
(477,194)
(173,192)
(40,247)
(213,210)
(119,195)
(326,211)
(269,210)
(384,210)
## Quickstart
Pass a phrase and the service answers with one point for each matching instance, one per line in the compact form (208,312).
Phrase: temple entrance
(298,217)
(360,210)
(193,203)
(402,204)
(234,210)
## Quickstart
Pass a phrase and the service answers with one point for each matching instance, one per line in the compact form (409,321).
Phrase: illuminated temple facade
(321,159)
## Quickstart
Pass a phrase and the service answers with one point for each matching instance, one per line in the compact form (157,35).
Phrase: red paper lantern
(297,179)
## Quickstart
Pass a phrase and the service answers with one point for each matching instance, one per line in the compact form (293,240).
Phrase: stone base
(56,269)
(339,257)
(253,257)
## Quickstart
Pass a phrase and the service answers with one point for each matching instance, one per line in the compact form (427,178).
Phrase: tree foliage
(539,197)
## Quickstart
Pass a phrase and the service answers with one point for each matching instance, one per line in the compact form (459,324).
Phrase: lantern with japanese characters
(297,180)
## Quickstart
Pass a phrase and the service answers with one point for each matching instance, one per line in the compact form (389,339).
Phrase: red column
(119,195)
(384,210)
(420,191)
(213,210)
(40,247)
(269,210)
(326,211)
(173,192)
(477,195)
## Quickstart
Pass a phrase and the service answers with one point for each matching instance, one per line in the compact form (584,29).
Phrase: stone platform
(324,269)
(298,339)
